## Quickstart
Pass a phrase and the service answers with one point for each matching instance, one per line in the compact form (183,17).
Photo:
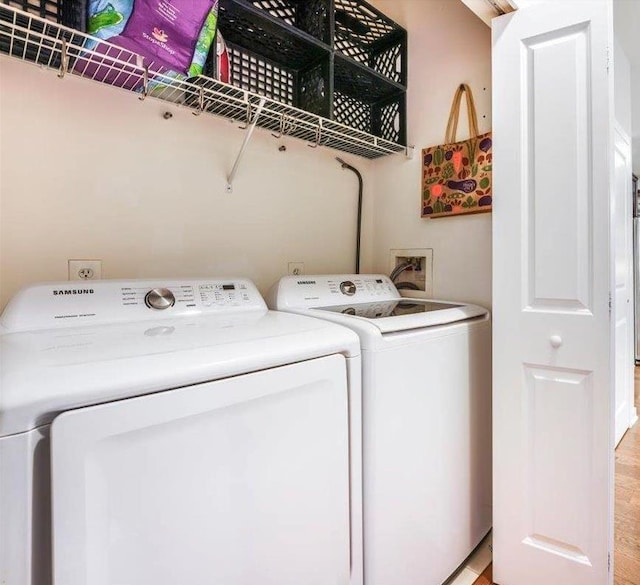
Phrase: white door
(241,481)
(623,218)
(552,263)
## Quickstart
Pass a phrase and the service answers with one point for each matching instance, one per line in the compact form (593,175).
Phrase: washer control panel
(203,295)
(327,290)
(108,301)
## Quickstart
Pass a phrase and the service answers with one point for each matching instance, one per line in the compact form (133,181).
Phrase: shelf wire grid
(38,41)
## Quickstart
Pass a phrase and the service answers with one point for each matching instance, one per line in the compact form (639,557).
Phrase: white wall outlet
(85,269)
(296,268)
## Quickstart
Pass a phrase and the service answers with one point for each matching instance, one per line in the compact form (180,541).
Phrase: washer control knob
(348,288)
(160,299)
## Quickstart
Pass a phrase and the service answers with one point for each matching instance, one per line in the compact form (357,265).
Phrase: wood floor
(627,510)
(486,578)
(627,514)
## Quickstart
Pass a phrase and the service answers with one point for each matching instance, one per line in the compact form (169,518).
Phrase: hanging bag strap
(454,115)
(452,124)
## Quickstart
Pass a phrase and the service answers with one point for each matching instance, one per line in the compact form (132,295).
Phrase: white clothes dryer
(426,421)
(160,432)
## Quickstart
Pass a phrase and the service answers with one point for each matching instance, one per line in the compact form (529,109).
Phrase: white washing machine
(158,432)
(426,421)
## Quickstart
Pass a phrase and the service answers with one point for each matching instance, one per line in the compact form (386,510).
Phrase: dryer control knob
(160,299)
(348,288)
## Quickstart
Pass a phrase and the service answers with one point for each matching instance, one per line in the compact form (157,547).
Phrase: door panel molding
(555,95)
(559,404)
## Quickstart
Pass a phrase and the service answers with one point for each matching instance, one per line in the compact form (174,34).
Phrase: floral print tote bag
(456,176)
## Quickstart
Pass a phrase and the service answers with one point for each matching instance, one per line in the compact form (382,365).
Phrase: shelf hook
(64,60)
(145,83)
(250,130)
(200,102)
(318,135)
(282,127)
(248,118)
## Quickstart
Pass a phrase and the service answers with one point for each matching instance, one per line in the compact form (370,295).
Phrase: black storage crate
(362,102)
(369,37)
(71,13)
(272,59)
(306,88)
(312,17)
(353,28)
(385,119)
(341,59)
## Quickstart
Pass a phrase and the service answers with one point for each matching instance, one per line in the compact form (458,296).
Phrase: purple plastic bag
(99,65)
(171,48)
(165,31)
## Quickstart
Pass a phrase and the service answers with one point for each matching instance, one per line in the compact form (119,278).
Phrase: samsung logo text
(74,291)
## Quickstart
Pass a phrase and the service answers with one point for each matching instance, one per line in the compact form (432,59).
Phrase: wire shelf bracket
(250,128)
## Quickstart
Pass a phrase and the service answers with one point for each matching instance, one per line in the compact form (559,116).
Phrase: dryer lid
(46,371)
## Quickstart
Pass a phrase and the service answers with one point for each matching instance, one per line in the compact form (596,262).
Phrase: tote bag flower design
(456,176)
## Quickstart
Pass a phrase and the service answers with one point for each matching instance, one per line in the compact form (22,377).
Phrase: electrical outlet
(85,269)
(296,268)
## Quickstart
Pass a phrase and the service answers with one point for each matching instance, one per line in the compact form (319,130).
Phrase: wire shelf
(34,40)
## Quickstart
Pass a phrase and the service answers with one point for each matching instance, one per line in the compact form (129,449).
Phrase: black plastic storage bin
(352,28)
(312,17)
(272,58)
(362,101)
(370,70)
(70,13)
(340,59)
(371,38)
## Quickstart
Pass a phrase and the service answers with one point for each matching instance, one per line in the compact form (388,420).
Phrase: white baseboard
(475,565)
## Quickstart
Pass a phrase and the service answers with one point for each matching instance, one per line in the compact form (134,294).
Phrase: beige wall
(92,172)
(448,45)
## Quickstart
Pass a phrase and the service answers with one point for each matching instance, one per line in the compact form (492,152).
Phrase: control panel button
(159,299)
(348,288)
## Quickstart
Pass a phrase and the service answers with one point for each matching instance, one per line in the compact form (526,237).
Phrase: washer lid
(403,314)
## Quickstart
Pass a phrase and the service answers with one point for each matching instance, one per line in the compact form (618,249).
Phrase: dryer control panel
(296,292)
(67,304)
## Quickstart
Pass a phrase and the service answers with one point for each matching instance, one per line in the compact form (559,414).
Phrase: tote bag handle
(452,125)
